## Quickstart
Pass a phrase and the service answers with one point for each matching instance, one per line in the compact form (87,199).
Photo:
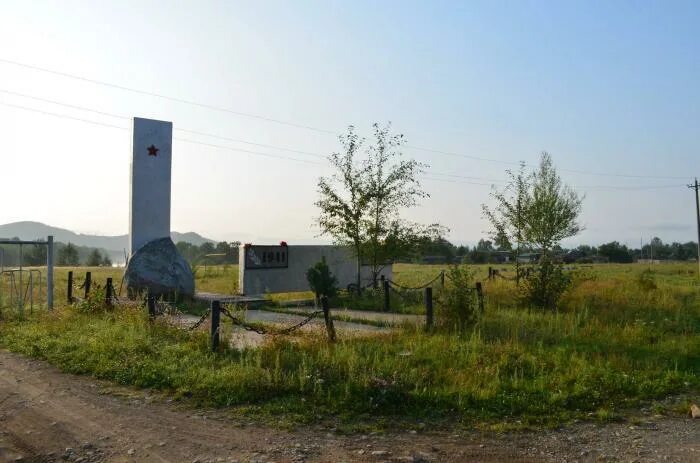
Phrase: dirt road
(48,416)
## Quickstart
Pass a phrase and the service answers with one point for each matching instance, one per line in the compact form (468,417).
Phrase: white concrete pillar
(149,216)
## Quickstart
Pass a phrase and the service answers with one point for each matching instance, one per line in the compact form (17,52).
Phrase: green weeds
(612,346)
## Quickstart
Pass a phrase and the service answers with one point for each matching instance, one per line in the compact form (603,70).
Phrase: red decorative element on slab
(283,243)
(152,150)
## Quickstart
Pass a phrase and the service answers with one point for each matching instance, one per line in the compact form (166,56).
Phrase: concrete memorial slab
(155,265)
(279,269)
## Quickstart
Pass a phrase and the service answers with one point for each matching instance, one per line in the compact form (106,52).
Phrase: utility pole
(697,215)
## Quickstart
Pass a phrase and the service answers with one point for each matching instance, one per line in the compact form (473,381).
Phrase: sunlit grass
(613,345)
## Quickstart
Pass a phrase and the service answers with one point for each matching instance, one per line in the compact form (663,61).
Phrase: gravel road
(49,416)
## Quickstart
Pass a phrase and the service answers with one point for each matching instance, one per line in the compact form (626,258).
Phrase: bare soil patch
(49,416)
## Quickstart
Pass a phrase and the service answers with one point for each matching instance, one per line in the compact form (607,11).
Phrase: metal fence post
(428,307)
(69,290)
(385,290)
(480,296)
(215,321)
(442,279)
(88,283)
(49,272)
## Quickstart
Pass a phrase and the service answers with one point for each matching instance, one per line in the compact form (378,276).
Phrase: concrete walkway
(243,338)
(386,317)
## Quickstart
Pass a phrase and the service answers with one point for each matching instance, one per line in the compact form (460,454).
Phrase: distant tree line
(65,254)
(440,250)
(221,253)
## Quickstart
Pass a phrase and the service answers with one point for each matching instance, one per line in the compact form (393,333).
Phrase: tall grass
(614,345)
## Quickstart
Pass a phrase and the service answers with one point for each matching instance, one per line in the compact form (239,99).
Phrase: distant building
(529,257)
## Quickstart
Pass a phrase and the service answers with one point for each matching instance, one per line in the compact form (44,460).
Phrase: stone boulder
(159,268)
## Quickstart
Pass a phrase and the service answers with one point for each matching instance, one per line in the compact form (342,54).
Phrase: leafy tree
(68,255)
(509,216)
(344,198)
(94,258)
(360,203)
(36,254)
(537,210)
(439,246)
(321,280)
(502,242)
(551,215)
(552,211)
(616,252)
(106,261)
(393,185)
(458,305)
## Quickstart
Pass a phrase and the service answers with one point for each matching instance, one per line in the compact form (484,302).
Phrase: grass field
(624,338)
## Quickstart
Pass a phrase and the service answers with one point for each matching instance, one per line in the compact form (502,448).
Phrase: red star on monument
(152,150)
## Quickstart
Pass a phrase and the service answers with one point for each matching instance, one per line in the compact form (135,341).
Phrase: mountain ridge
(30,230)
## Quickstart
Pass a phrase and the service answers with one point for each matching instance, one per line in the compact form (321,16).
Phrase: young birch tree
(509,216)
(344,198)
(361,203)
(393,186)
(537,210)
(552,215)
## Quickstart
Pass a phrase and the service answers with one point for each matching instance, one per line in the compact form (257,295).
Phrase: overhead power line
(257,153)
(454,178)
(167,97)
(62,116)
(103,124)
(119,116)
(302,126)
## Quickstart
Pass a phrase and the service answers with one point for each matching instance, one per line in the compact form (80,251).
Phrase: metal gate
(23,288)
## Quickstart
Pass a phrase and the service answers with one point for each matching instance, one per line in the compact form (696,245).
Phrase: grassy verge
(619,342)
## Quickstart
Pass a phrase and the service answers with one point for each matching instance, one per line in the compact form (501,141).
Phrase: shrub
(545,286)
(95,302)
(321,280)
(458,304)
(647,280)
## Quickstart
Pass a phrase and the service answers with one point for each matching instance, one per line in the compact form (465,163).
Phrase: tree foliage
(68,255)
(361,203)
(537,211)
(552,209)
(321,281)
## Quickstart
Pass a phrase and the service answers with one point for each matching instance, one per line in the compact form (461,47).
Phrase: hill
(113,244)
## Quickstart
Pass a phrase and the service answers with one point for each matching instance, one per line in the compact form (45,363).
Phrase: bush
(321,280)
(545,286)
(95,302)
(647,280)
(458,304)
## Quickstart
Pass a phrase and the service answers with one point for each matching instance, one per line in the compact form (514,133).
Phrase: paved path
(389,318)
(243,338)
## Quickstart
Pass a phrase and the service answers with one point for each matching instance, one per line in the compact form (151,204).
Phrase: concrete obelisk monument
(155,266)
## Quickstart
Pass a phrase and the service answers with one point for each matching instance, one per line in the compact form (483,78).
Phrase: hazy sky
(604,86)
